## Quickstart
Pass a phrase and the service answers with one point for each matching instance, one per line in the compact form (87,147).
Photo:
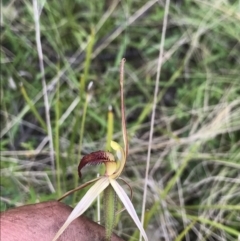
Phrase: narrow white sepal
(128,205)
(84,203)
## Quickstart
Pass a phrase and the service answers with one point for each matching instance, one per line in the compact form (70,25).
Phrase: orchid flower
(113,169)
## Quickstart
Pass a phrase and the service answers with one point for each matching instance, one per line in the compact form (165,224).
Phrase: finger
(42,221)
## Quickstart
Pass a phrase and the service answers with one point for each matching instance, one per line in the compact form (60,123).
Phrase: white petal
(85,202)
(128,205)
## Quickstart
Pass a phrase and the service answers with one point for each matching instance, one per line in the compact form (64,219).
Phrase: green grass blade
(33,108)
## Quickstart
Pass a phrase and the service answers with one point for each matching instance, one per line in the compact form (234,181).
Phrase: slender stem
(57,150)
(87,62)
(110,127)
(81,140)
(85,99)
(45,94)
(124,128)
(154,108)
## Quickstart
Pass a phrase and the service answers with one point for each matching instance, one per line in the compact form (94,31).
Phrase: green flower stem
(84,98)
(87,62)
(80,141)
(110,204)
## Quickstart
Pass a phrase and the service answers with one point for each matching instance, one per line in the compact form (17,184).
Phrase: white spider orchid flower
(113,169)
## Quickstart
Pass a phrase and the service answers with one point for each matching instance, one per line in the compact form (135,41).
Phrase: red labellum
(95,158)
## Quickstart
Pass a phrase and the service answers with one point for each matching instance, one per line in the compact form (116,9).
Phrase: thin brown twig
(124,128)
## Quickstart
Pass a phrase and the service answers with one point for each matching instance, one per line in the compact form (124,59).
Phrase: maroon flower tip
(95,158)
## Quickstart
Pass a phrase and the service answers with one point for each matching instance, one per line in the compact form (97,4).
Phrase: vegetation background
(193,183)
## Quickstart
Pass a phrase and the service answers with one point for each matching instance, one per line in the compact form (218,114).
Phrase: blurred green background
(193,184)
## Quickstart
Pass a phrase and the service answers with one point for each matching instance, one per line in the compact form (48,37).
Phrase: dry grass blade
(154,107)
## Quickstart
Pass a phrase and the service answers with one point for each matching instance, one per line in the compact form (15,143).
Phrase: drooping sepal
(128,205)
